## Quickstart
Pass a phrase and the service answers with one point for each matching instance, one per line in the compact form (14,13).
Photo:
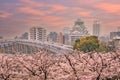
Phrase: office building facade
(38,33)
(96,28)
(52,37)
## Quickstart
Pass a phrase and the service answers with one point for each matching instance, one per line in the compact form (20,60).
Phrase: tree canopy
(87,44)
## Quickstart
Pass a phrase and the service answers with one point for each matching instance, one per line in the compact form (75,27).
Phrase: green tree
(103,47)
(87,44)
(76,45)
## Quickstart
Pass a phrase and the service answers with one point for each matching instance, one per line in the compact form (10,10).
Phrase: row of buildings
(68,36)
(115,37)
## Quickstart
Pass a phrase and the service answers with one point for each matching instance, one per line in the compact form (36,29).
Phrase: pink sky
(17,16)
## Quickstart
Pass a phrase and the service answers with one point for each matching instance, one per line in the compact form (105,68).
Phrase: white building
(38,33)
(66,32)
(116,41)
(96,28)
(78,31)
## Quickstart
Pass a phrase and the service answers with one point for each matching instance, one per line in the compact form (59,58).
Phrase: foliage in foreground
(47,66)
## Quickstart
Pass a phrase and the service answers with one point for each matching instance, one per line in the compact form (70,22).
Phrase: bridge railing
(54,47)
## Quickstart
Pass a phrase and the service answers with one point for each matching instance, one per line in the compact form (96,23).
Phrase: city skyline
(18,16)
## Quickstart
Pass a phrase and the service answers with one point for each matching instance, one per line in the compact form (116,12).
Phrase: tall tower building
(96,28)
(60,38)
(38,33)
(66,32)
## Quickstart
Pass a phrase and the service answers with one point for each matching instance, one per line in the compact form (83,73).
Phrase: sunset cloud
(109,8)
(56,14)
(54,9)
(31,3)
(58,7)
(77,8)
(84,1)
(4,14)
(30,11)
(83,13)
(49,8)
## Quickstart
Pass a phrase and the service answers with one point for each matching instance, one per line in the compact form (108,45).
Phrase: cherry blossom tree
(45,65)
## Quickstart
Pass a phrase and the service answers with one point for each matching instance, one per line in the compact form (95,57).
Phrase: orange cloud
(77,8)
(52,8)
(83,1)
(41,20)
(4,14)
(31,11)
(56,8)
(83,13)
(109,8)
(113,23)
(52,18)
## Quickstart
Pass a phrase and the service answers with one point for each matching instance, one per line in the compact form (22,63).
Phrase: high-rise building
(60,38)
(38,33)
(66,39)
(52,36)
(66,32)
(96,28)
(114,34)
(116,41)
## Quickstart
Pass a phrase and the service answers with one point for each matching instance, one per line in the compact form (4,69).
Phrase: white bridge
(30,46)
